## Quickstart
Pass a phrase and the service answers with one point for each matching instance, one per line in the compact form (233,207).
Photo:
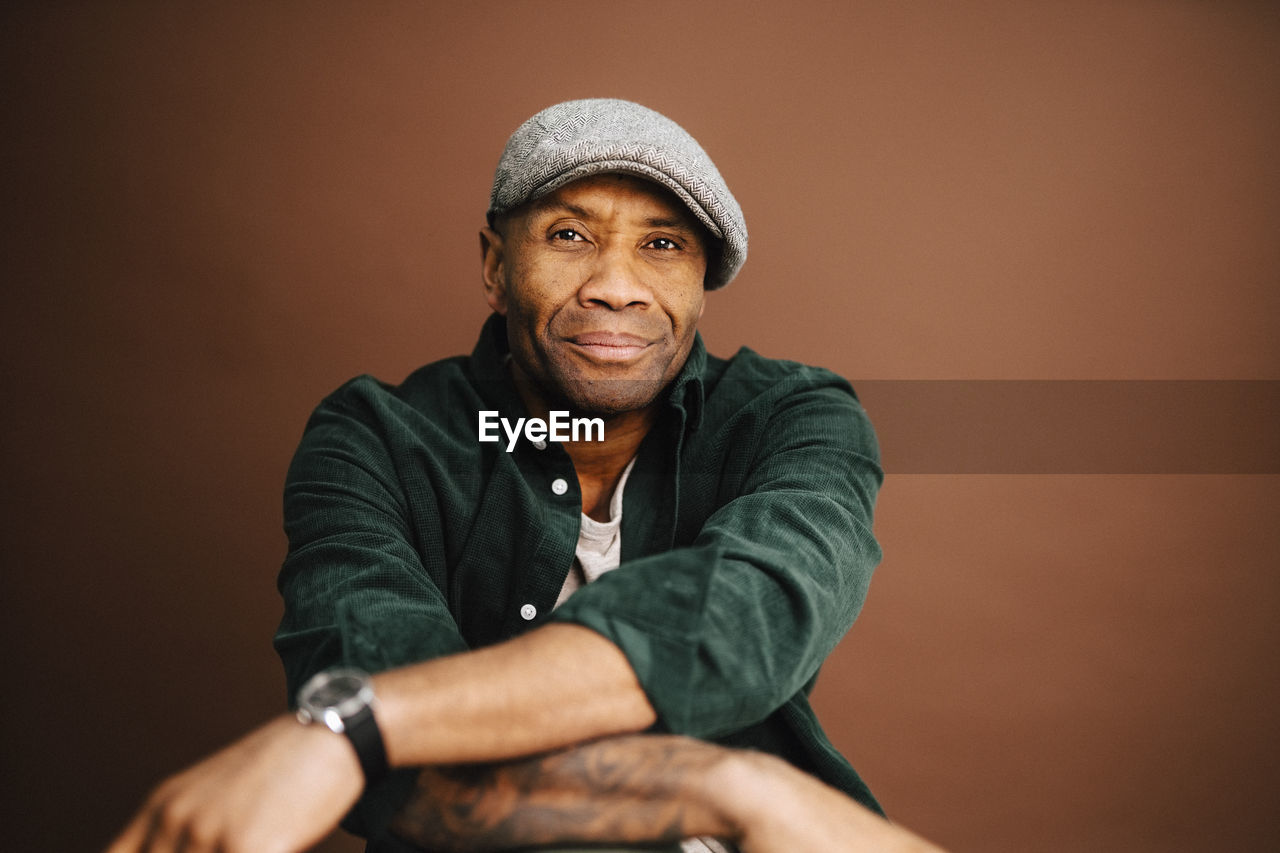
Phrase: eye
(664,243)
(567,234)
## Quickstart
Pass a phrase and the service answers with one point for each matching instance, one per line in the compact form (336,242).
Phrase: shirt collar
(488,367)
(687,392)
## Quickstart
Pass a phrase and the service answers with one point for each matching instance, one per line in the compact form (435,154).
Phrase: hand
(279,789)
(776,808)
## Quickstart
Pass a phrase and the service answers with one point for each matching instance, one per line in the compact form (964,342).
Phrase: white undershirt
(600,550)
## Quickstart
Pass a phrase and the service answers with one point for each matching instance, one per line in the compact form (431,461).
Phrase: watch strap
(362,730)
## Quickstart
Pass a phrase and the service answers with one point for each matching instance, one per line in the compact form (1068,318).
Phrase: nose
(617,281)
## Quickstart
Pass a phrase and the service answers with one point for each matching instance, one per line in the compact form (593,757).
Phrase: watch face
(345,691)
(336,690)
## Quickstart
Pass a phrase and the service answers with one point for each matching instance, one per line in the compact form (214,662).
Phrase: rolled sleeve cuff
(661,632)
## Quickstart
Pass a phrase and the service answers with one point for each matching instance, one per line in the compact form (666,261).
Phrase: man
(534,596)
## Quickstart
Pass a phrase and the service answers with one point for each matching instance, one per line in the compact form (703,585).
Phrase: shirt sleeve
(723,632)
(357,592)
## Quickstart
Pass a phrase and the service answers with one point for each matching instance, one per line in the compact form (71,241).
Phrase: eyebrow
(663,222)
(553,206)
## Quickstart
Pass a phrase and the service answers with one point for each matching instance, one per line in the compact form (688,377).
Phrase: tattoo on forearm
(636,788)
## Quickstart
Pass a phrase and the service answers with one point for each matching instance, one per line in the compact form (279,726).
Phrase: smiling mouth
(609,346)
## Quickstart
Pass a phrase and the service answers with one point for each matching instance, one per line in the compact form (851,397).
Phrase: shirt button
(559,486)
(540,444)
(527,612)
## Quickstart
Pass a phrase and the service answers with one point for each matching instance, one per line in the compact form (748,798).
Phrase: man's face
(601,283)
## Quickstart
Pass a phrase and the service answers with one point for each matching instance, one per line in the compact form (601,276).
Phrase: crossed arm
(643,788)
(570,706)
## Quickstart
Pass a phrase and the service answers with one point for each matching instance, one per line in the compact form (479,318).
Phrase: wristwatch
(343,701)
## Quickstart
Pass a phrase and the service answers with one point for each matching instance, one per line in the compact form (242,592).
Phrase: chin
(609,397)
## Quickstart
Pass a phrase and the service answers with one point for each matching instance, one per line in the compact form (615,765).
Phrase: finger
(143,832)
(166,829)
(133,837)
(200,834)
(184,842)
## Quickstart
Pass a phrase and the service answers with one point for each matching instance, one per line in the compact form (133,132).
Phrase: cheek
(550,294)
(686,309)
(525,290)
(544,281)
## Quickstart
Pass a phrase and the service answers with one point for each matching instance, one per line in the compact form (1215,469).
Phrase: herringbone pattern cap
(579,138)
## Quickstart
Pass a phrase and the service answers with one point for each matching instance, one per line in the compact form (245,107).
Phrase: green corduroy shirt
(746,543)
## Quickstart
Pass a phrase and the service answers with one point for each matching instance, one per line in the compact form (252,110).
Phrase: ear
(493,269)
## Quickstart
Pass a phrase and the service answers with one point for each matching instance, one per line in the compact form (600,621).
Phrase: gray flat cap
(578,138)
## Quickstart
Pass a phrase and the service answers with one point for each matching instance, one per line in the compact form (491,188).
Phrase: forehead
(621,196)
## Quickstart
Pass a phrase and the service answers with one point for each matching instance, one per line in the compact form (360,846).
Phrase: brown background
(216,215)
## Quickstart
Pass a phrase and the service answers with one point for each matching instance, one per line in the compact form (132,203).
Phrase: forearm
(633,789)
(777,808)
(553,687)
(642,789)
